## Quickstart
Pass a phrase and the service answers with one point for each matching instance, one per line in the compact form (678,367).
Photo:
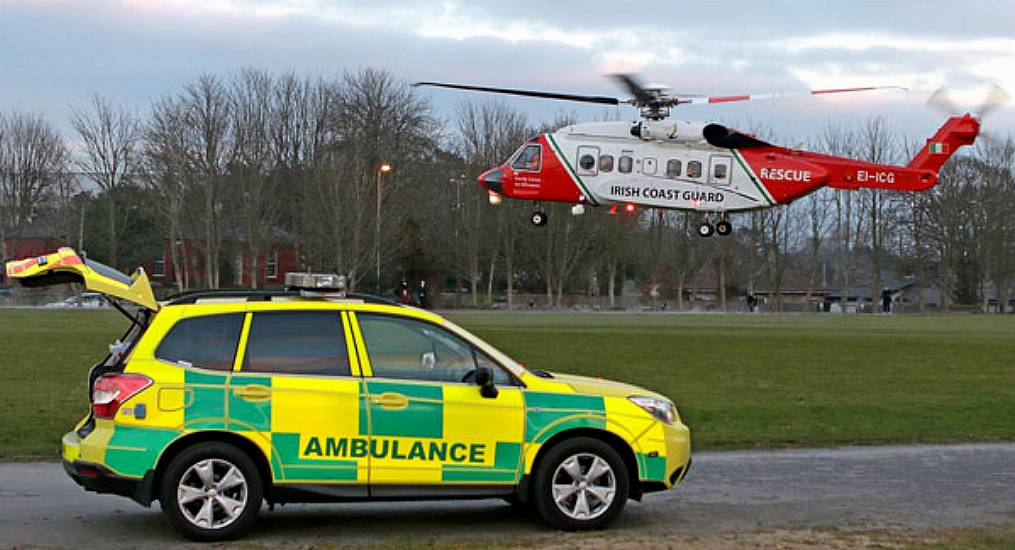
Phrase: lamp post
(382,169)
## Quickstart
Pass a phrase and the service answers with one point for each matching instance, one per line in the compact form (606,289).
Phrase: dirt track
(728,498)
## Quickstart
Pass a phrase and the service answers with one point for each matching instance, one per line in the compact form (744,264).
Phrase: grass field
(738,380)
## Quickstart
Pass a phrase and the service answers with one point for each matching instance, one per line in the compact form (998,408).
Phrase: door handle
(390,400)
(253,392)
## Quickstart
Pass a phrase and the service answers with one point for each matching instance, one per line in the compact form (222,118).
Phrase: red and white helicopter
(701,167)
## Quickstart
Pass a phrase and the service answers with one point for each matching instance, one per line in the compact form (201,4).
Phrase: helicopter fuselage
(699,167)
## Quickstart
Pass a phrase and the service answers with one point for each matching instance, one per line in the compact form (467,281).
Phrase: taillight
(112,390)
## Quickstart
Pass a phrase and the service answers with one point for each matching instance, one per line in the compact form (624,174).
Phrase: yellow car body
(357,436)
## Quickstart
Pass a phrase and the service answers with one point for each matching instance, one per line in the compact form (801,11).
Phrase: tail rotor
(995,99)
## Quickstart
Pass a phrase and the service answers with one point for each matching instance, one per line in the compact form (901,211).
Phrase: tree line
(250,161)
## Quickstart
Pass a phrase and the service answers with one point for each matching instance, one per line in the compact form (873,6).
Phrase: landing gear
(538,218)
(722,226)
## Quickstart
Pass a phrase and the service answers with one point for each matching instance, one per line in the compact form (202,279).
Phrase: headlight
(662,409)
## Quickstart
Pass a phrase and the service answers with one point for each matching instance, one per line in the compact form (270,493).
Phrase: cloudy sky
(57,53)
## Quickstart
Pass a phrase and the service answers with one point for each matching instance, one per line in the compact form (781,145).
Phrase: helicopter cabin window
(673,168)
(719,172)
(528,159)
(624,164)
(587,156)
(606,163)
(694,169)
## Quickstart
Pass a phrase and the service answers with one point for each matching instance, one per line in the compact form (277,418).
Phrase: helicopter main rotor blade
(603,100)
(636,88)
(699,100)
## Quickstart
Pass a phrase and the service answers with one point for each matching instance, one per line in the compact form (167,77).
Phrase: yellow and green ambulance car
(214,402)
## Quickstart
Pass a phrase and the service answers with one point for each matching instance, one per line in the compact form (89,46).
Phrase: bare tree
(168,172)
(110,137)
(487,135)
(32,157)
(209,114)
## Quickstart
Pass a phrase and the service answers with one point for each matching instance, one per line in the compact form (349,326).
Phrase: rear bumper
(98,479)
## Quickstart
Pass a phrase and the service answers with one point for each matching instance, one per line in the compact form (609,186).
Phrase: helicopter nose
(493,180)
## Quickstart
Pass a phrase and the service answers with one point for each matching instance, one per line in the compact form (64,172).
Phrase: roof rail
(264,296)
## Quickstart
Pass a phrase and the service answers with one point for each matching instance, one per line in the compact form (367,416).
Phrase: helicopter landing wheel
(538,218)
(705,229)
(724,228)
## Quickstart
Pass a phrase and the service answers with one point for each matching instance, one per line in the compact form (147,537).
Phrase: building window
(271,268)
(159,266)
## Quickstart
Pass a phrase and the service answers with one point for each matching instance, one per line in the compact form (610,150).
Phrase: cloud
(59,52)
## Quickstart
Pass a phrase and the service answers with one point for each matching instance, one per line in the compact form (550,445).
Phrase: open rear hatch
(66,266)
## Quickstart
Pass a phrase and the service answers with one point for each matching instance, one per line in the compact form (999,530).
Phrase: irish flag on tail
(938,148)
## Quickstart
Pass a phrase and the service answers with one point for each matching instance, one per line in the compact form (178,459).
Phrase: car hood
(601,386)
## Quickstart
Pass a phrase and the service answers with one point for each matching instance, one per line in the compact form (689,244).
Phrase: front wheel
(210,492)
(581,484)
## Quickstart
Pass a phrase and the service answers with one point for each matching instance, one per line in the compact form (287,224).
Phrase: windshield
(528,159)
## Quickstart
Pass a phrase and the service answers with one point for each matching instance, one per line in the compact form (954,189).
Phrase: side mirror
(484,379)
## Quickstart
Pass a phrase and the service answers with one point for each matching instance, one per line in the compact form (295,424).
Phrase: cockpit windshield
(528,158)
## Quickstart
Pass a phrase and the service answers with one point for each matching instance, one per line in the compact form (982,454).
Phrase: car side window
(415,350)
(500,376)
(298,342)
(208,342)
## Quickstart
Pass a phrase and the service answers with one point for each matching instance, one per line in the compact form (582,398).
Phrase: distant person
(752,302)
(886,301)
(403,293)
(421,294)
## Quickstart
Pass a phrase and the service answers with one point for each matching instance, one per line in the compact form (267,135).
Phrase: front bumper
(676,439)
(98,479)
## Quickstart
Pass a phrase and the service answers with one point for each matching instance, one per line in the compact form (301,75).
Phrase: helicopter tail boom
(957,131)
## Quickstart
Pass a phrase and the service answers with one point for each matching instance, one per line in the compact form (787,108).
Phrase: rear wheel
(210,492)
(580,484)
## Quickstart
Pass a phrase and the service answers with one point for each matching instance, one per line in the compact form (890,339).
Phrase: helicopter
(703,167)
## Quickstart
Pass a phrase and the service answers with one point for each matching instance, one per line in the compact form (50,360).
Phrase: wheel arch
(613,440)
(246,445)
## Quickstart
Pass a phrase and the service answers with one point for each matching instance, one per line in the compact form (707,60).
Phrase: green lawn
(739,380)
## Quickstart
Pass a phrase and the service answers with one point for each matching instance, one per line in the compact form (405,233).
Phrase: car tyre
(581,484)
(210,481)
